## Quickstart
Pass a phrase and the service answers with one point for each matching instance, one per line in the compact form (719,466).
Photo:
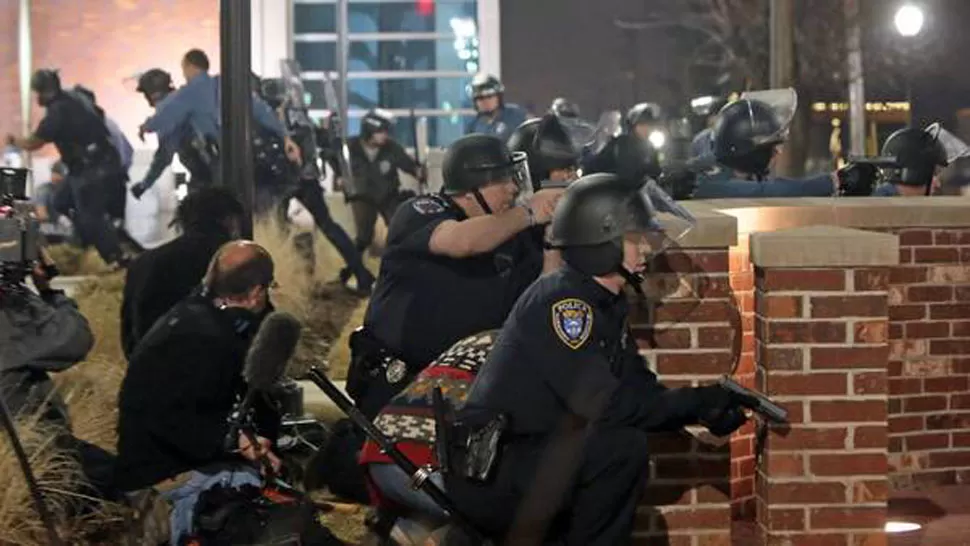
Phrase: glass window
(314,18)
(453,55)
(442,130)
(316,56)
(407,16)
(436,93)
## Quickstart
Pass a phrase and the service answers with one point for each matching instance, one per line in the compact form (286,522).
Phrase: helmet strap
(481,201)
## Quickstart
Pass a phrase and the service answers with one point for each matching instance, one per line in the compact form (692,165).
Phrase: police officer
(918,156)
(706,108)
(577,396)
(375,187)
(626,155)
(747,137)
(77,127)
(454,265)
(494,115)
(156,85)
(191,115)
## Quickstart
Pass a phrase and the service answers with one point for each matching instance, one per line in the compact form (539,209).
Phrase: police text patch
(572,320)
(427,206)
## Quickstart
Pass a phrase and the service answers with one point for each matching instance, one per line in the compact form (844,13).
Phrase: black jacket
(159,279)
(377,180)
(182,383)
(39,334)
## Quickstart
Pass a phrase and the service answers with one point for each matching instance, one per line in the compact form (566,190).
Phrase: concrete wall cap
(824,246)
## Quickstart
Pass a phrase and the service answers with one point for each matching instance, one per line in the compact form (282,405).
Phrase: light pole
(909,22)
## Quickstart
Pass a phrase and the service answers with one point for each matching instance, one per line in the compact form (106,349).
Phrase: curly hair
(207,210)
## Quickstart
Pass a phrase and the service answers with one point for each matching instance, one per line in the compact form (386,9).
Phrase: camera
(20,238)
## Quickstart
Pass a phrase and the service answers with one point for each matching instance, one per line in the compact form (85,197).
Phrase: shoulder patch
(572,320)
(427,205)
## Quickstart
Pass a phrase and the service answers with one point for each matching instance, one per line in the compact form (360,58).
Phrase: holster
(371,361)
(474,444)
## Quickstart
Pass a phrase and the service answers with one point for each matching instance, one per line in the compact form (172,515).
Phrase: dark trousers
(580,488)
(365,217)
(310,194)
(91,194)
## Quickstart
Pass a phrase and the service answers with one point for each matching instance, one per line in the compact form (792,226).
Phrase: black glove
(679,182)
(857,179)
(138,189)
(718,411)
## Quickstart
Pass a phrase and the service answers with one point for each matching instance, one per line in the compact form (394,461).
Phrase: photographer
(182,383)
(158,279)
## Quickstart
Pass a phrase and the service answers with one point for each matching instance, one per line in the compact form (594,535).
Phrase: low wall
(855,314)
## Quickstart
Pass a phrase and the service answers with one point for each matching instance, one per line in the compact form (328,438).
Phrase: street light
(909,22)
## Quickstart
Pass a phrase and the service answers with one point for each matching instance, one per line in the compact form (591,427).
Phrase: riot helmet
(748,130)
(273,92)
(47,84)
(485,86)
(645,112)
(916,154)
(564,108)
(549,147)
(592,218)
(376,121)
(475,161)
(155,84)
(627,156)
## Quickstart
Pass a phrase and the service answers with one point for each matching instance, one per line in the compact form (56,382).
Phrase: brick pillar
(688,340)
(821,303)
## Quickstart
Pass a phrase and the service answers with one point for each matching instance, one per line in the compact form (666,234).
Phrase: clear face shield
(954,147)
(784,103)
(609,126)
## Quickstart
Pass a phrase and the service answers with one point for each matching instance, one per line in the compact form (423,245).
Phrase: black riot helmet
(155,84)
(547,144)
(47,84)
(564,108)
(475,161)
(484,86)
(645,112)
(376,121)
(272,91)
(593,215)
(627,156)
(917,154)
(745,136)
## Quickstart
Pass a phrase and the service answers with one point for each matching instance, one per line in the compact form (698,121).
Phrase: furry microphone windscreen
(272,348)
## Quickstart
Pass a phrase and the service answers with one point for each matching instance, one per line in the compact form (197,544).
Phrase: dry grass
(91,387)
(72,260)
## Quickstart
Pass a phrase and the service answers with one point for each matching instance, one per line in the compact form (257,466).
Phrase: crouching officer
(747,137)
(454,265)
(567,384)
(912,160)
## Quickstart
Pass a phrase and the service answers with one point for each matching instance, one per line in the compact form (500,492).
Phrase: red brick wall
(929,358)
(689,340)
(99,43)
(821,336)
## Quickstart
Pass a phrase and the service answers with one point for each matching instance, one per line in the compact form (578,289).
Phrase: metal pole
(343,56)
(237,171)
(25,54)
(782,43)
(857,85)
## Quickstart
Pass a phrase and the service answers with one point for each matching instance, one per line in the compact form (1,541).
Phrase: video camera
(20,238)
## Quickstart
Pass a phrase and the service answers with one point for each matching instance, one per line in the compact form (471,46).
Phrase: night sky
(571,48)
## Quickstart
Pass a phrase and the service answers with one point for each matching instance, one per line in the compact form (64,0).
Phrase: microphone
(271,350)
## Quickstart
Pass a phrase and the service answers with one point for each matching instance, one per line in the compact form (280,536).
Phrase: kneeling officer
(575,396)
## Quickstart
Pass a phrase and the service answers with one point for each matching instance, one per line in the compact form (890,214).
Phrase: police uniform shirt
(723,186)
(506,120)
(886,190)
(565,355)
(423,303)
(72,125)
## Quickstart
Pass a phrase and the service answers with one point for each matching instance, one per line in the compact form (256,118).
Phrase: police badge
(396,370)
(572,320)
(385,166)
